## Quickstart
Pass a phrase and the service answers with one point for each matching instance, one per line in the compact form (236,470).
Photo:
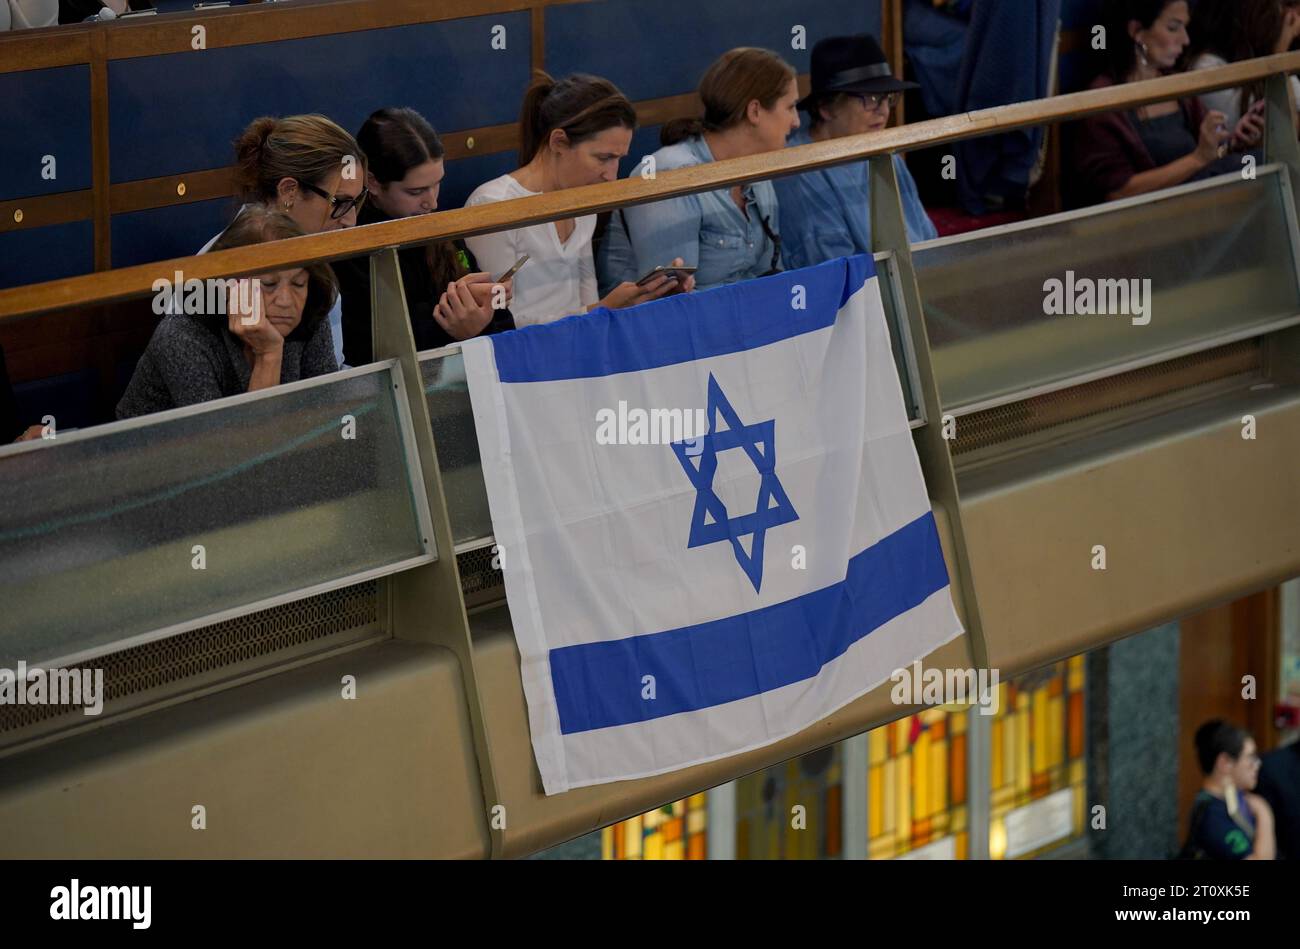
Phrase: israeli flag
(686,590)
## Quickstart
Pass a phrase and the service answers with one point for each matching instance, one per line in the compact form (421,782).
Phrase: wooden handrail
(278,255)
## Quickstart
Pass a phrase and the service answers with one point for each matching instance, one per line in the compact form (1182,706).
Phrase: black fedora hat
(850,64)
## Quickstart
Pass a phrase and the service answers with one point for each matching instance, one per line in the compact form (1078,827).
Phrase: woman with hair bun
(573,132)
(307,167)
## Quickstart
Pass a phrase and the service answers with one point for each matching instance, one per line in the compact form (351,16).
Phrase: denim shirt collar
(699,148)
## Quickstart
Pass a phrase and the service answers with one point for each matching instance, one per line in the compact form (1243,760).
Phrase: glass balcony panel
(1219,259)
(117,532)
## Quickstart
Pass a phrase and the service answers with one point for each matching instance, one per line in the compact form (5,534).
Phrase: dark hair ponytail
(579,105)
(731,83)
(679,130)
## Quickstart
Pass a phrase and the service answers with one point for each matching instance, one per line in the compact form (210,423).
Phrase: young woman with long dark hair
(447,297)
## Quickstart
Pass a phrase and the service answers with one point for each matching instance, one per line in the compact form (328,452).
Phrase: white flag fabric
(681,595)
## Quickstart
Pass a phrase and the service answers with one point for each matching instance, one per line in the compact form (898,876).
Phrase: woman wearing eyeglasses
(827,213)
(749,107)
(309,168)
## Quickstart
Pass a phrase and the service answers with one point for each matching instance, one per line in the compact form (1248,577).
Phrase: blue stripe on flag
(600,684)
(681,328)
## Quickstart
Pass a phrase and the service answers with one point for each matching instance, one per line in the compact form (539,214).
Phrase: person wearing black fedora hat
(827,213)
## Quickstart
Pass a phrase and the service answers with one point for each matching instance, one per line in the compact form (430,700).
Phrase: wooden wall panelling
(1217,648)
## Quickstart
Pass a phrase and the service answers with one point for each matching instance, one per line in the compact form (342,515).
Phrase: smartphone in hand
(680,273)
(513,270)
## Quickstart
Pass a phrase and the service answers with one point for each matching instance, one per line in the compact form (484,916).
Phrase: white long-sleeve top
(559,279)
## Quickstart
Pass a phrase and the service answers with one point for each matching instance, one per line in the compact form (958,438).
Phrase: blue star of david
(710,523)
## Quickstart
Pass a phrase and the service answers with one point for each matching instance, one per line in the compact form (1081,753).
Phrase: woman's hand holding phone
(1250,128)
(484,289)
(458,310)
(628,293)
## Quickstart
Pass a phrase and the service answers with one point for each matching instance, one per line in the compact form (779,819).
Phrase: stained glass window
(1036,751)
(916,783)
(917,794)
(792,811)
(673,832)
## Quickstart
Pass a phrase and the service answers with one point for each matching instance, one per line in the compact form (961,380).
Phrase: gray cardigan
(193,359)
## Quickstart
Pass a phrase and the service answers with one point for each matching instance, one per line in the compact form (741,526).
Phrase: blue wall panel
(44,112)
(1077,68)
(1078,14)
(181,112)
(163,233)
(655,48)
(46,253)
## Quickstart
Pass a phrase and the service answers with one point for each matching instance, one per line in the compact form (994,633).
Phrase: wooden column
(891,41)
(99,148)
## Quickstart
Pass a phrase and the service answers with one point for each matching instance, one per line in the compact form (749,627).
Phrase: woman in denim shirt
(749,107)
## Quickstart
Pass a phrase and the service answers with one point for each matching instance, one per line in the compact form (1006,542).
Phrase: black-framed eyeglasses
(871,100)
(339,206)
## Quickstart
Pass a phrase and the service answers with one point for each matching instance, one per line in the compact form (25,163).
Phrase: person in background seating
(74,11)
(1229,821)
(446,297)
(309,168)
(1279,784)
(28,14)
(275,330)
(749,99)
(827,213)
(573,132)
(1120,154)
(1228,31)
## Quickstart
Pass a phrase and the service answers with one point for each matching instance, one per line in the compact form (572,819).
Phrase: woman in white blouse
(572,133)
(27,14)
